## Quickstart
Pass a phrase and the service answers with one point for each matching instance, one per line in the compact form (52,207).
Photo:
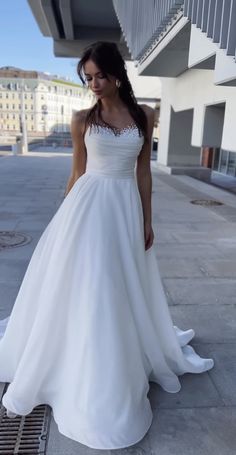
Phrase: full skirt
(90,326)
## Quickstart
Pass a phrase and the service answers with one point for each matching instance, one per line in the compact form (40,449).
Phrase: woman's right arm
(79,148)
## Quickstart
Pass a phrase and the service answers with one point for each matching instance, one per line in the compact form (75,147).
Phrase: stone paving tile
(197,431)
(210,190)
(34,225)
(211,237)
(12,270)
(200,291)
(8,293)
(187,251)
(8,225)
(222,227)
(197,390)
(227,247)
(178,268)
(225,268)
(212,324)
(224,372)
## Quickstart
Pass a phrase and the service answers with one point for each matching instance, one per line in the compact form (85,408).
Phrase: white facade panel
(200,47)
(195,90)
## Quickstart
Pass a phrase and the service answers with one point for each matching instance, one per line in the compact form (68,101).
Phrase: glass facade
(224,161)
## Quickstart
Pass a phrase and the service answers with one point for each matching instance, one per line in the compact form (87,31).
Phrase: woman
(91,315)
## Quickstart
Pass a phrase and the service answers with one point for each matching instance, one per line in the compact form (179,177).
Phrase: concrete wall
(180,151)
(204,53)
(213,125)
(183,136)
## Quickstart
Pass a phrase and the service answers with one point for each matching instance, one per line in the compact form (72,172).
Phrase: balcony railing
(216,18)
(143,22)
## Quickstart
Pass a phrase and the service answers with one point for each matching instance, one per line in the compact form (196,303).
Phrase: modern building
(39,102)
(189,44)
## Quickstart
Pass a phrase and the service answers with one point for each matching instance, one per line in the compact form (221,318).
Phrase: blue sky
(23,45)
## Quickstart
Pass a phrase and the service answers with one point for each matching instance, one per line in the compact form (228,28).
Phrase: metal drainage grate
(10,239)
(25,434)
(206,202)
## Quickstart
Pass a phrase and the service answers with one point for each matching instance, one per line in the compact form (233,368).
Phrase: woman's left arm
(144,178)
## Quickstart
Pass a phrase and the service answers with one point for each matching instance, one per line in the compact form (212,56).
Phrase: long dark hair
(109,60)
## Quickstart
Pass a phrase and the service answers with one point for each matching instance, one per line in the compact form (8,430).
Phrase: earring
(118,83)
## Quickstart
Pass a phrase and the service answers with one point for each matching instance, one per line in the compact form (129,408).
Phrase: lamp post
(44,112)
(23,127)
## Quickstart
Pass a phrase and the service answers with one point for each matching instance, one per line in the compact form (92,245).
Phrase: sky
(23,45)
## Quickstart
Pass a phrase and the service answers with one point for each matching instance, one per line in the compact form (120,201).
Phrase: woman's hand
(148,235)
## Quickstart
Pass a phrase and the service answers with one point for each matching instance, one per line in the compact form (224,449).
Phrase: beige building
(39,102)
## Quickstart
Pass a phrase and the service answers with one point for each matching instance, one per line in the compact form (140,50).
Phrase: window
(232,164)
(223,161)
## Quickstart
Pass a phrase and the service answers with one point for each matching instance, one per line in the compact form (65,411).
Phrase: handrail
(142,22)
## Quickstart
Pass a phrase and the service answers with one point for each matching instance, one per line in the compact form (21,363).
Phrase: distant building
(45,103)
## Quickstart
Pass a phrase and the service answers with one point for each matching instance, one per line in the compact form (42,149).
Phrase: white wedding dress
(90,326)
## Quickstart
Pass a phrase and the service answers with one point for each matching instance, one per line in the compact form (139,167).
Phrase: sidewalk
(196,250)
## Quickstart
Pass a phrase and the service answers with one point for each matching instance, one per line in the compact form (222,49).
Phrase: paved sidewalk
(196,251)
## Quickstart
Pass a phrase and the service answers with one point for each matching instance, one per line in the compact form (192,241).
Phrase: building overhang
(169,55)
(75,24)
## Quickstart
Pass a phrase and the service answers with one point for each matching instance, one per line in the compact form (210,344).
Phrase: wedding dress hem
(128,443)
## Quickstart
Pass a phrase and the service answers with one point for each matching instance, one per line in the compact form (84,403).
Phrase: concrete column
(163,142)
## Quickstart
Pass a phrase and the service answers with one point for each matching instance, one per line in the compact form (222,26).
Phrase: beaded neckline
(119,131)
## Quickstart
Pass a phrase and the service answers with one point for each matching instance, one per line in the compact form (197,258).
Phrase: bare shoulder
(80,116)
(78,120)
(149,111)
